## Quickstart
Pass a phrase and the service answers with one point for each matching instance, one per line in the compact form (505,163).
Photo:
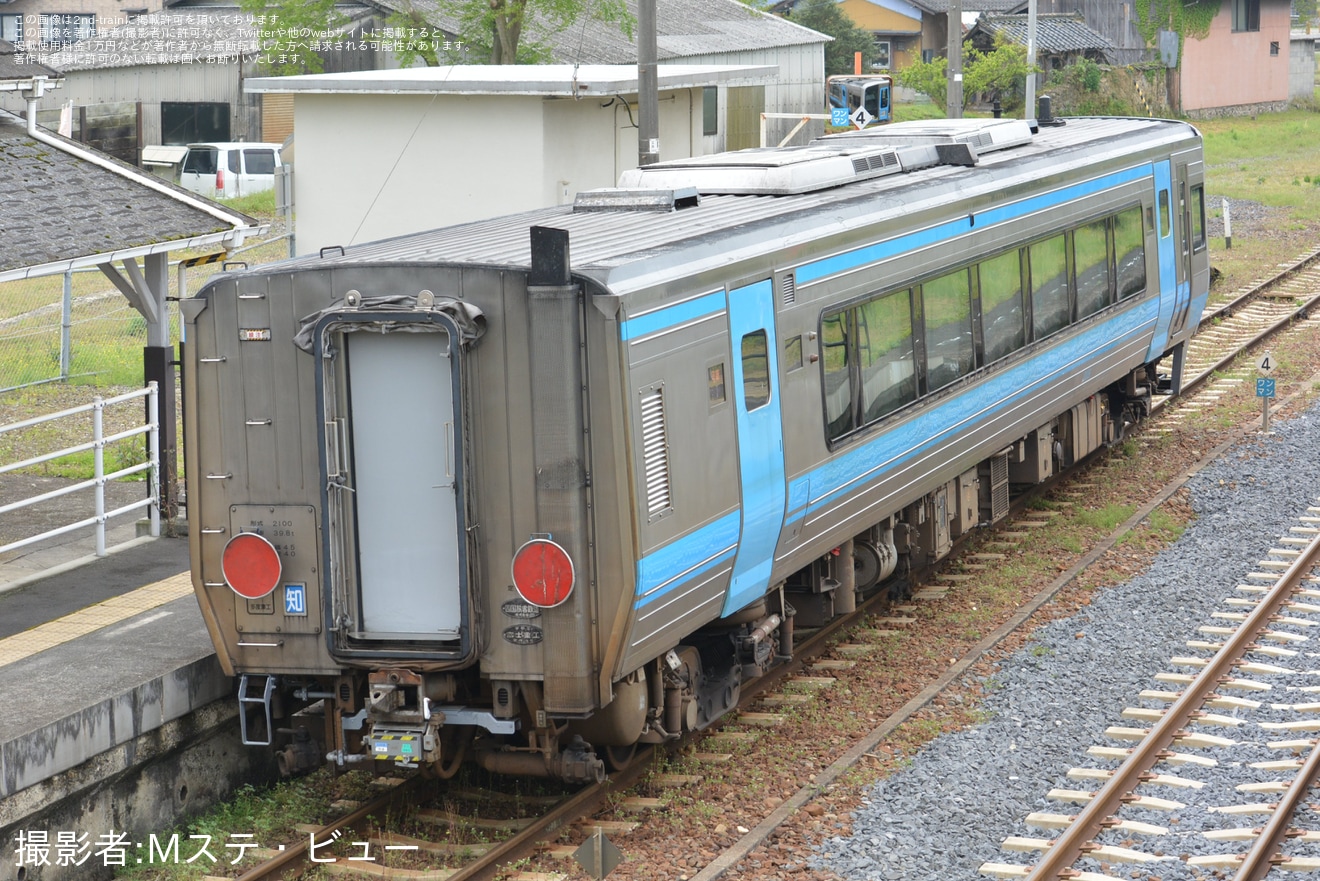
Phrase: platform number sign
(295,599)
(1265,388)
(1266,364)
(861,118)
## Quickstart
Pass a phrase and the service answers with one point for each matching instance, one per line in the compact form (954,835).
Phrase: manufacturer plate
(520,609)
(524,634)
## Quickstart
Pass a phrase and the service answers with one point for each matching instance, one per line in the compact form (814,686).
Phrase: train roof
(640,242)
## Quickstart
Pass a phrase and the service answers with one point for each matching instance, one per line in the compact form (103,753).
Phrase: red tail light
(543,573)
(251,565)
(219,178)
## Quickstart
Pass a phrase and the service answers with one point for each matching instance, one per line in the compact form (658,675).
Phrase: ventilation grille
(864,164)
(994,477)
(655,453)
(788,285)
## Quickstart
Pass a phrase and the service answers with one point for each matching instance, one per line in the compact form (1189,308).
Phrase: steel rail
(1078,838)
(1264,853)
(298,853)
(1228,308)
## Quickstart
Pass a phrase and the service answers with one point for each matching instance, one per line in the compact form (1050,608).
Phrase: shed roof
(1055,32)
(512,79)
(61,210)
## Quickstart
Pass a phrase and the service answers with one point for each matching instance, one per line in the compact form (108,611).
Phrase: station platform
(111,687)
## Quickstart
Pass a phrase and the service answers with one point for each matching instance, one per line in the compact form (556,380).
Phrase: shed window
(1246,15)
(710,110)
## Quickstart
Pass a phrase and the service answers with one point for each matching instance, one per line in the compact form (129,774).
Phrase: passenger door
(760,440)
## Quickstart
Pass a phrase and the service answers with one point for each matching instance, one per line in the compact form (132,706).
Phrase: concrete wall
(1255,80)
(415,162)
(1301,66)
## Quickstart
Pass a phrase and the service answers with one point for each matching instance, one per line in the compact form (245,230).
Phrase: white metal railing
(97,444)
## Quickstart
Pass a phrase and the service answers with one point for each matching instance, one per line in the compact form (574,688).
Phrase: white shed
(387,152)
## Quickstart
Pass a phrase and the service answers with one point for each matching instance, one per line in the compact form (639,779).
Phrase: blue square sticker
(295,599)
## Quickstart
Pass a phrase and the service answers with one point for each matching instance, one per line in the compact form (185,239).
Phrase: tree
(1003,70)
(826,17)
(498,29)
(487,30)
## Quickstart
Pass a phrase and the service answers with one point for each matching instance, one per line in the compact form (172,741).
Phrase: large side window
(835,374)
(950,349)
(1091,256)
(885,356)
(1049,287)
(1001,305)
(1130,252)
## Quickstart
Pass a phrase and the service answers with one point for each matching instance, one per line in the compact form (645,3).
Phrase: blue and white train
(533,490)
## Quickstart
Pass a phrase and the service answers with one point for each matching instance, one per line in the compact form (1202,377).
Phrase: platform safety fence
(97,446)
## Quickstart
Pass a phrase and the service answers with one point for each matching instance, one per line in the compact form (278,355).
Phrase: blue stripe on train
(670,316)
(687,558)
(858,257)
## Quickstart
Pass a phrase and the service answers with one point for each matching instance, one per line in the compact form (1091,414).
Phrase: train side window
(756,370)
(950,348)
(715,384)
(1049,286)
(1198,218)
(836,380)
(1130,252)
(1164,213)
(792,354)
(885,355)
(1091,257)
(1002,325)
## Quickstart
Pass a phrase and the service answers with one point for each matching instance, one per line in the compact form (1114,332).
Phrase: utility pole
(648,91)
(1029,112)
(954,101)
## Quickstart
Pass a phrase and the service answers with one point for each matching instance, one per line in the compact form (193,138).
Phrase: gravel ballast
(963,794)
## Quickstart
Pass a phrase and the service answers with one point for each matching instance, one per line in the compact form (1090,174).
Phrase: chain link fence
(78,327)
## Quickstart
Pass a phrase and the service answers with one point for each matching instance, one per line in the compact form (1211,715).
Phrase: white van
(227,170)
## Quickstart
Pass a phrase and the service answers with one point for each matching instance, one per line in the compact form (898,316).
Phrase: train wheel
(616,758)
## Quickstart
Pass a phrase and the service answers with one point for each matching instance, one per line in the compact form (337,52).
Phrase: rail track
(1226,331)
(1253,658)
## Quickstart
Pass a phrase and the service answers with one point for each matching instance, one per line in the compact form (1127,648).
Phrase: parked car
(226,170)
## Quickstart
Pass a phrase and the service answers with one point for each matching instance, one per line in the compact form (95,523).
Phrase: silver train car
(533,490)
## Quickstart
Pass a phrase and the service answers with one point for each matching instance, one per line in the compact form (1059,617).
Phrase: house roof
(1055,32)
(61,210)
(191,36)
(941,7)
(684,28)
